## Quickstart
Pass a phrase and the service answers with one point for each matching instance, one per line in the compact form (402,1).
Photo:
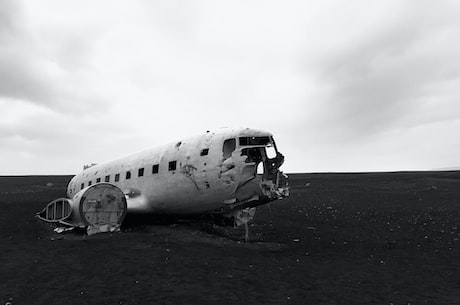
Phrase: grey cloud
(24,77)
(376,81)
(43,70)
(21,81)
(20,77)
(8,12)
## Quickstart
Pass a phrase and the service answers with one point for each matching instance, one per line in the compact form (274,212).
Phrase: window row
(140,172)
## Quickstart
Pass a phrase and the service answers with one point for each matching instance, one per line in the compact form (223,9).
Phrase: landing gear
(242,217)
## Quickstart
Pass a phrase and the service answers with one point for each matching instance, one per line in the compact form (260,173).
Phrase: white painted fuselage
(215,172)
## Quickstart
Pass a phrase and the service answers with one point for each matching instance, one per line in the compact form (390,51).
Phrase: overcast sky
(342,85)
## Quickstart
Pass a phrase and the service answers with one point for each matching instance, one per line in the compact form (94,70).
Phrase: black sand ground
(386,238)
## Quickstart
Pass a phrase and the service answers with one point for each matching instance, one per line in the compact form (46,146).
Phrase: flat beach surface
(377,238)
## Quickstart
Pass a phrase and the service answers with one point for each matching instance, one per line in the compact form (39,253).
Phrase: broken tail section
(98,208)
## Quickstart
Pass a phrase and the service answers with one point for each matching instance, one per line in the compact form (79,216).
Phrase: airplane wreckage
(226,173)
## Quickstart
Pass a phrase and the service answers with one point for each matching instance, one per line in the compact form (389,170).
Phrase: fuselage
(215,172)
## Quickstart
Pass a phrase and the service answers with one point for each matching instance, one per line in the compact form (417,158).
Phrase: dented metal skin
(228,172)
(215,172)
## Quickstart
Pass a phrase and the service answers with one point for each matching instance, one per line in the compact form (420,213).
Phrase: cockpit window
(270,151)
(253,154)
(229,147)
(244,141)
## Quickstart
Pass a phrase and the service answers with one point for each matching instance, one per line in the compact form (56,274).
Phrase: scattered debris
(60,230)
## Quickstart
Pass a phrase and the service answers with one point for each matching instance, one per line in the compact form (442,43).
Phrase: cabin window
(140,172)
(229,147)
(107,178)
(117,177)
(259,141)
(89,183)
(98,180)
(172,165)
(204,152)
(128,175)
(82,186)
(155,168)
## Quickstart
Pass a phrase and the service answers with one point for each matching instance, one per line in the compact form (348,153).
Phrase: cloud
(373,81)
(333,80)
(17,72)
(44,68)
